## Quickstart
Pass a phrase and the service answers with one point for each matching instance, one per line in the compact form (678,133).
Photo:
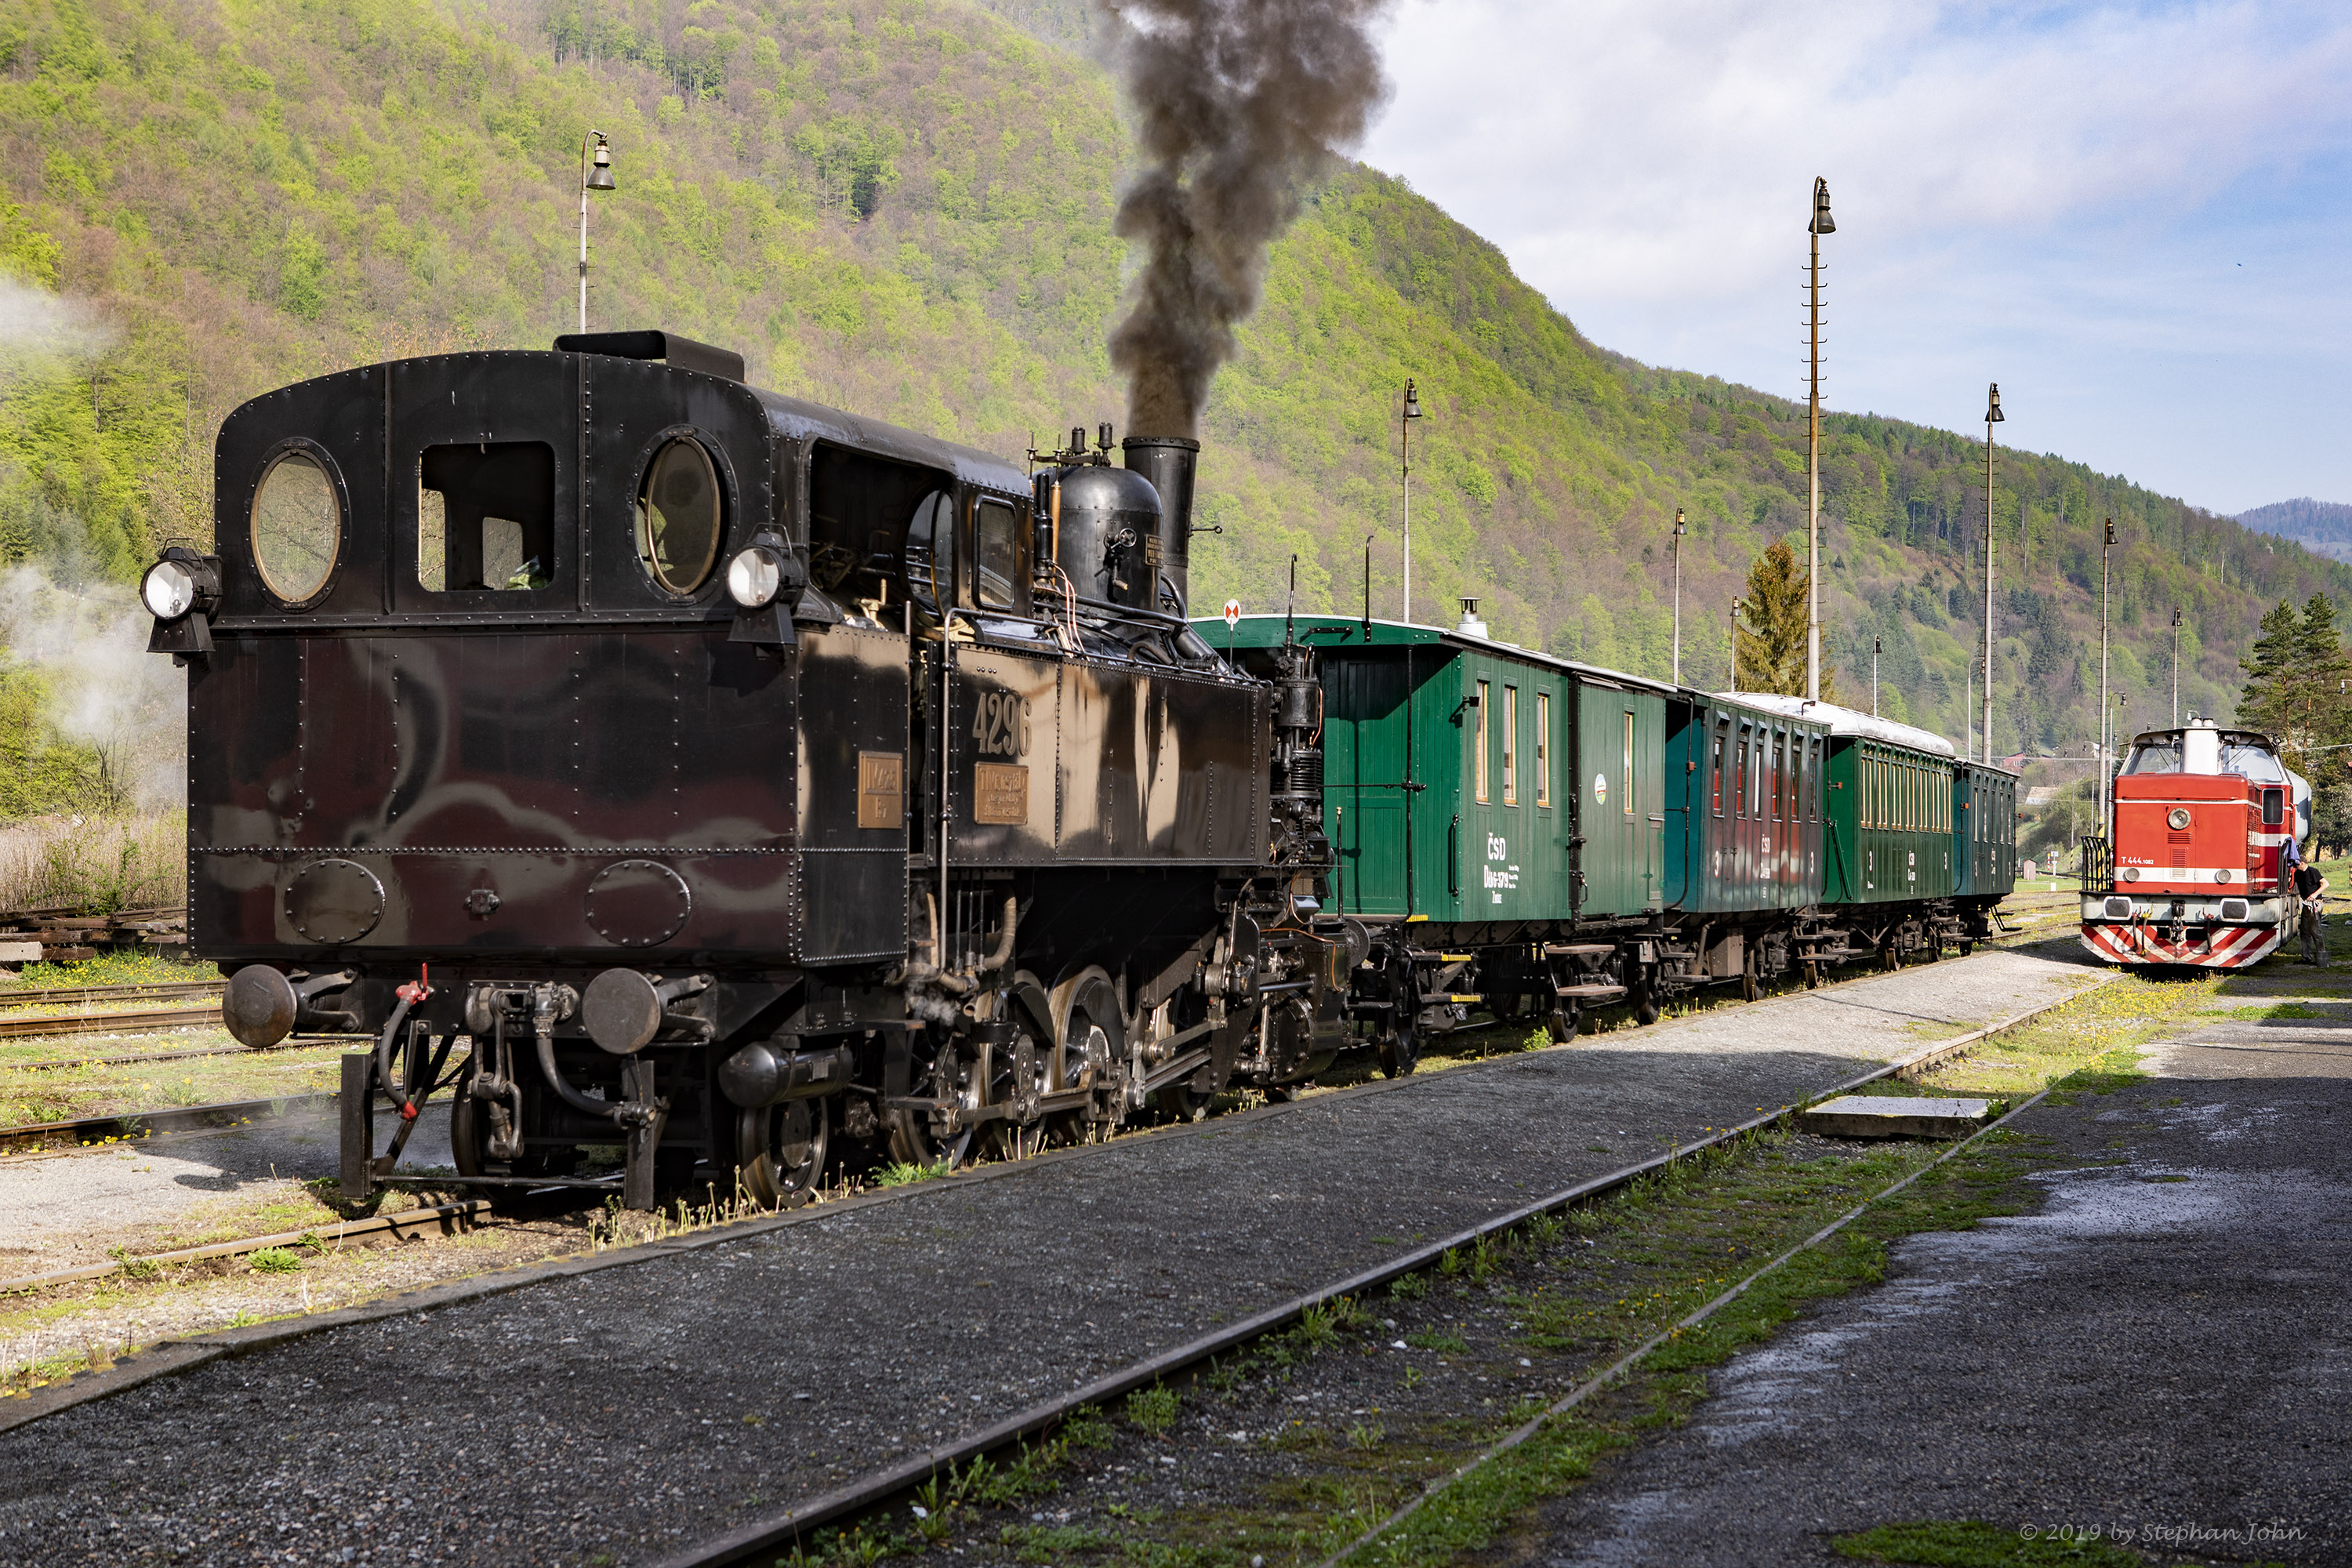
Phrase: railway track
(130,1021)
(73,995)
(125,1126)
(448,1219)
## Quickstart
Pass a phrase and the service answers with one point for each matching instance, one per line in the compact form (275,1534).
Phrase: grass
(1972,1543)
(95,866)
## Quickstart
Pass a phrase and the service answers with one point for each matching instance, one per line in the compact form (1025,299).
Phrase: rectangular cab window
(1543,748)
(1716,786)
(1740,779)
(1510,745)
(1478,768)
(996,555)
(486,517)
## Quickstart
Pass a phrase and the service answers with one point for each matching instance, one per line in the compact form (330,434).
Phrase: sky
(2133,218)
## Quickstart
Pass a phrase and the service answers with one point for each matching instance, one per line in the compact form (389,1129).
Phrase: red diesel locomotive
(2199,818)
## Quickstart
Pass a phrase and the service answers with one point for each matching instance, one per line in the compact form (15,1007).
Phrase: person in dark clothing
(2311,889)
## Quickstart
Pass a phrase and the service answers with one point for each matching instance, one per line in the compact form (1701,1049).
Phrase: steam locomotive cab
(2201,815)
(649,761)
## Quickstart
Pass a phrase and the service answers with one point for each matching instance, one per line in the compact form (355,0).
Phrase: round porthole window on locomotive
(298,527)
(678,522)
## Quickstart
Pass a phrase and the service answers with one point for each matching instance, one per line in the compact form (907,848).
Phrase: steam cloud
(105,689)
(1240,101)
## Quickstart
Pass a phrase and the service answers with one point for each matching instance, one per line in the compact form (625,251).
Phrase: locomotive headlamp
(181,591)
(755,576)
(169,590)
(765,579)
(2177,819)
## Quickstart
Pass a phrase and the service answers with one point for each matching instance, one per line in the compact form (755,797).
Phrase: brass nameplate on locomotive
(1000,794)
(881,789)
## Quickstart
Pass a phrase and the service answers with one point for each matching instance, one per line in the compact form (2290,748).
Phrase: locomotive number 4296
(1000,727)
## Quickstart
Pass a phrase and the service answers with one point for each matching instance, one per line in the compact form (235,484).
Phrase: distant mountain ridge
(2322,527)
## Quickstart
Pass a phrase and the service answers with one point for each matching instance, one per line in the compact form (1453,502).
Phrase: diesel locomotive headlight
(755,576)
(169,590)
(2177,819)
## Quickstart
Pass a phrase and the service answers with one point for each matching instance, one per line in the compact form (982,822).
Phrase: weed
(1409,1287)
(906,1175)
(134,1268)
(1086,1428)
(1446,1339)
(931,1508)
(275,1261)
(1450,1262)
(1152,1409)
(1366,1435)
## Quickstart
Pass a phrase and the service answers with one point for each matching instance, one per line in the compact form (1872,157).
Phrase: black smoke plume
(1241,103)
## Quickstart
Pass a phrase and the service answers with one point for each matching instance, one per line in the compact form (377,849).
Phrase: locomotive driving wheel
(780,1152)
(951,1071)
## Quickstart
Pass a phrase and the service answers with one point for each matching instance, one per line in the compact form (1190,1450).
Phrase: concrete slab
(2162,1354)
(636,1409)
(1894,1116)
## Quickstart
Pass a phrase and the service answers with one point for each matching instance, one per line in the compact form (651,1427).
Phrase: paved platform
(634,1410)
(2163,1354)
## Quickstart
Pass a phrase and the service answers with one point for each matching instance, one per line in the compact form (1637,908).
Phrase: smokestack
(1167,461)
(1240,104)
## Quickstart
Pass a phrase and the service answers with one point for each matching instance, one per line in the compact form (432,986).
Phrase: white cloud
(2055,190)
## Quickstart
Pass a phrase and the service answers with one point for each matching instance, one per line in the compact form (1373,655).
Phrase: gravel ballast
(634,1410)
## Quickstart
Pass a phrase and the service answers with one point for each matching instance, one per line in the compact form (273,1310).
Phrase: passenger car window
(1543,748)
(995,554)
(678,520)
(1478,768)
(486,517)
(297,527)
(1510,745)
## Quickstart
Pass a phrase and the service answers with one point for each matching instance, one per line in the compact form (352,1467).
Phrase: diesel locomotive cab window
(995,554)
(486,517)
(678,521)
(298,527)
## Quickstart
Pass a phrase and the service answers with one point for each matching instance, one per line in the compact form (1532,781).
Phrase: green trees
(2298,691)
(905,210)
(1771,633)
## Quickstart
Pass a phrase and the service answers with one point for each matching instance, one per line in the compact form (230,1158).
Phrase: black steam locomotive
(733,774)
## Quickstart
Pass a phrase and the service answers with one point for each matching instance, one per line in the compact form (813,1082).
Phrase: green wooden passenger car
(1455,769)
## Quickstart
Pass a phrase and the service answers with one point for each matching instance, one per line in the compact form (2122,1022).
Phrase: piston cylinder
(768,1072)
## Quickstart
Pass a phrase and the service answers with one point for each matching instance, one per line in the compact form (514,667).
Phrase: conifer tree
(1771,641)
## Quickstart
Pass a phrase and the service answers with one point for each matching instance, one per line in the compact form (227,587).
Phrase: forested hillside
(903,206)
(2323,527)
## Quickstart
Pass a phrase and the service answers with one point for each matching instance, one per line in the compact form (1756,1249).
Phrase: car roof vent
(683,352)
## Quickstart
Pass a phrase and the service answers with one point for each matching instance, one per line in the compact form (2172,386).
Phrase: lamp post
(1404,482)
(596,176)
(1993,416)
(2106,739)
(1820,226)
(1681,528)
(2176,667)
(1873,678)
(1735,645)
